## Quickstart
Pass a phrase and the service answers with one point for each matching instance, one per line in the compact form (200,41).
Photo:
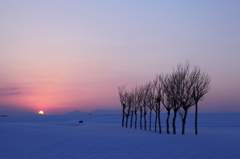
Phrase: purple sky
(59,56)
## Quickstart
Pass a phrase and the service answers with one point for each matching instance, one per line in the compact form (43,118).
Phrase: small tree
(132,108)
(141,98)
(137,102)
(123,100)
(155,102)
(146,91)
(129,106)
(152,103)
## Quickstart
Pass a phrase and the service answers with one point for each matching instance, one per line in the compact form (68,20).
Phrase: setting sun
(41,112)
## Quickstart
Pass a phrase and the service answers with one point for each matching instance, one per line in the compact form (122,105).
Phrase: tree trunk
(127,120)
(145,121)
(159,122)
(135,120)
(140,119)
(156,122)
(167,121)
(184,121)
(173,123)
(123,116)
(196,118)
(131,119)
(150,121)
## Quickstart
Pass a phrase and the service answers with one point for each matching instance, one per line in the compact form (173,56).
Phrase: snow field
(101,136)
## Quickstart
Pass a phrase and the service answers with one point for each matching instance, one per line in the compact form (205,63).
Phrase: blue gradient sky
(59,56)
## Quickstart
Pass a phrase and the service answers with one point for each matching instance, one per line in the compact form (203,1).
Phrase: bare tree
(178,92)
(141,114)
(168,107)
(176,86)
(133,105)
(200,88)
(129,107)
(185,96)
(171,92)
(137,102)
(166,97)
(185,105)
(123,100)
(152,103)
(155,102)
(196,85)
(156,115)
(139,98)
(160,97)
(146,91)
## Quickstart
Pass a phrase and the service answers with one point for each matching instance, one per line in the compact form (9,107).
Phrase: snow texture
(101,136)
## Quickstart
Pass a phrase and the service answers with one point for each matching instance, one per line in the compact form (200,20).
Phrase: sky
(59,56)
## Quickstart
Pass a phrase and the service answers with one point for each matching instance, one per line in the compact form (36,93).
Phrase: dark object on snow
(3,115)
(80,121)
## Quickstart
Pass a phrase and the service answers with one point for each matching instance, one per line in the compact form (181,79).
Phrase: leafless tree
(137,101)
(166,98)
(151,103)
(160,98)
(175,87)
(128,106)
(134,106)
(186,103)
(200,88)
(185,96)
(123,100)
(139,90)
(177,91)
(168,106)
(146,92)
(171,93)
(155,101)
(156,114)
(190,91)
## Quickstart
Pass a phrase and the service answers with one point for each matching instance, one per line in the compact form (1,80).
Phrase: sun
(40,112)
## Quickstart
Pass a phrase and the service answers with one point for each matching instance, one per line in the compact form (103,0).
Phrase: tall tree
(171,92)
(160,97)
(176,87)
(185,95)
(200,88)
(166,97)
(196,85)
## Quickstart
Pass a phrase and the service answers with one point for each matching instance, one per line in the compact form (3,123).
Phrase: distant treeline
(178,91)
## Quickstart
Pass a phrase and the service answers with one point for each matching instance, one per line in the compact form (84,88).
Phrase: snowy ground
(101,136)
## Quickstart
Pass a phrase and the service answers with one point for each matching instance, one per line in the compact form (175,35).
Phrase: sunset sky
(59,56)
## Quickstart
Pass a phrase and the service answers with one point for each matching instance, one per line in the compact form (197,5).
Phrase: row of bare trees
(176,92)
